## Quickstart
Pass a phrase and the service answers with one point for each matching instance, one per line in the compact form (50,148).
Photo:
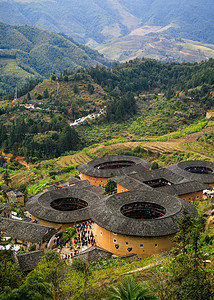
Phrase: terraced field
(162,147)
(75,159)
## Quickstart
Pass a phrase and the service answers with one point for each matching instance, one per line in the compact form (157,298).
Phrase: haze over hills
(123,29)
(30,52)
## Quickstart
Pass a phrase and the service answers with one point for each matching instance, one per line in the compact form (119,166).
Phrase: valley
(106,149)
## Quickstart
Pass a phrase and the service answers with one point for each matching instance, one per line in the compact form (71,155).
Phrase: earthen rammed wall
(121,245)
(96,181)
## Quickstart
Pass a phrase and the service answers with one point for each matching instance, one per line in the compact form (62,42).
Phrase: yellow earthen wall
(143,247)
(197,196)
(21,200)
(52,224)
(121,189)
(96,181)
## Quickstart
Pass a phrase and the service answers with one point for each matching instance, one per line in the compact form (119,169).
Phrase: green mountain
(29,52)
(122,29)
(138,99)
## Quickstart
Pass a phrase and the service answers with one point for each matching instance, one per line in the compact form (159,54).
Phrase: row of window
(197,197)
(130,249)
(115,241)
(141,245)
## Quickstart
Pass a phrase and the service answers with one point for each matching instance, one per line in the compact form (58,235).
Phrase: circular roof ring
(65,205)
(195,170)
(141,213)
(109,166)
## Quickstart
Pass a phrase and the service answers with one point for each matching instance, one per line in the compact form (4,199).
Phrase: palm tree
(129,290)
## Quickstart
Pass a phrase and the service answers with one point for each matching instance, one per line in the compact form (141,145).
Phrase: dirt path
(20,159)
(143,268)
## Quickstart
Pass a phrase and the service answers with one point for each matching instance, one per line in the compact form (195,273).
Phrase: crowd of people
(83,239)
(85,236)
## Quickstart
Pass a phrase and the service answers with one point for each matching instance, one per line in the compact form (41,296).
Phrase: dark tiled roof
(156,174)
(29,261)
(50,188)
(39,205)
(93,254)
(19,194)
(60,183)
(109,216)
(5,188)
(181,166)
(94,248)
(183,188)
(5,207)
(26,231)
(90,169)
(73,180)
(130,183)
(11,196)
(179,185)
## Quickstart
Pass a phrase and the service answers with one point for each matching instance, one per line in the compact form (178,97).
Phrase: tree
(75,89)
(33,288)
(6,177)
(10,275)
(45,93)
(67,236)
(189,277)
(53,77)
(32,247)
(53,270)
(129,290)
(84,286)
(28,96)
(154,165)
(110,186)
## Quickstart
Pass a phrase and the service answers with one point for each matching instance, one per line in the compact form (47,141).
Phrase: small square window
(127,243)
(101,233)
(197,197)
(114,241)
(141,245)
(156,245)
(114,233)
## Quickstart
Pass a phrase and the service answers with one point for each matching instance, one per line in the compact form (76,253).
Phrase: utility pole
(15,95)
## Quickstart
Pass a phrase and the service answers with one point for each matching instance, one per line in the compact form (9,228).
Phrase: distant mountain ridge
(30,52)
(94,19)
(103,23)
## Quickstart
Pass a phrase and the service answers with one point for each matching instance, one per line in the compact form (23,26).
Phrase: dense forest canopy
(157,97)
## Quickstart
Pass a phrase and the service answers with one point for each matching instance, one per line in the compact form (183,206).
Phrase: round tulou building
(63,207)
(98,171)
(138,222)
(197,170)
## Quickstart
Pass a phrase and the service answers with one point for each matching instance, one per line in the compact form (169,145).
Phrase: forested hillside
(93,19)
(123,29)
(28,52)
(142,98)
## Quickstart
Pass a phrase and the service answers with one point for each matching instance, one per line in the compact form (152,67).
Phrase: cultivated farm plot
(75,159)
(204,149)
(22,177)
(162,147)
(10,67)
